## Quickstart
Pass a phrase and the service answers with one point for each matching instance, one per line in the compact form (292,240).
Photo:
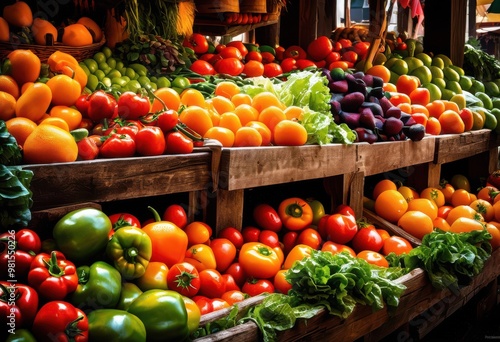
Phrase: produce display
(159,89)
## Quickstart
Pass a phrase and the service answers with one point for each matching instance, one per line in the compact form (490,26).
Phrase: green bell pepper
(115,325)
(163,313)
(99,286)
(129,293)
(130,249)
(82,234)
(21,335)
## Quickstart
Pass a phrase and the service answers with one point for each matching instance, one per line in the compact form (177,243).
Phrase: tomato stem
(294,210)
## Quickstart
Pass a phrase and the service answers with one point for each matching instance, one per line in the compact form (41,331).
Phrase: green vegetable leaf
(10,153)
(15,196)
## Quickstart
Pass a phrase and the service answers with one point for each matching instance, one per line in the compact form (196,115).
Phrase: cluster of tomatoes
(236,58)
(124,126)
(451,207)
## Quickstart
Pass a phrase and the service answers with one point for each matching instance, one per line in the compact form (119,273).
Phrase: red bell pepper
(18,305)
(20,247)
(53,276)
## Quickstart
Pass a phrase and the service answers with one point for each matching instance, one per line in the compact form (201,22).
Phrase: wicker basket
(43,52)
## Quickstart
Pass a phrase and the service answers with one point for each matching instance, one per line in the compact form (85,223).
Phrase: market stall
(186,179)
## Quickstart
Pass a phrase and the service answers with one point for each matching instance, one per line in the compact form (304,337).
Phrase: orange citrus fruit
(20,128)
(49,144)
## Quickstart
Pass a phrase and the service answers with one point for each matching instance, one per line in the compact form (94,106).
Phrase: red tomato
(333,56)
(224,252)
(288,64)
(119,220)
(184,279)
(254,287)
(368,239)
(295,52)
(345,43)
(197,42)
(334,248)
(132,106)
(272,70)
(204,304)
(319,48)
(233,235)
(250,234)
(231,52)
(281,285)
(237,272)
(269,238)
(230,282)
(202,67)
(234,296)
(266,217)
(150,141)
(175,214)
(310,237)
(239,45)
(289,240)
(373,258)
(213,284)
(178,143)
(254,56)
(267,57)
(231,66)
(219,304)
(396,244)
(350,56)
(305,63)
(340,228)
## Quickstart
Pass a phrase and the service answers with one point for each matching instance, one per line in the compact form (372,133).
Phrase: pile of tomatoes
(236,58)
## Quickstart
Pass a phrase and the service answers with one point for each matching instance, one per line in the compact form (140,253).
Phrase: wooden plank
(387,156)
(452,147)
(229,211)
(247,167)
(105,180)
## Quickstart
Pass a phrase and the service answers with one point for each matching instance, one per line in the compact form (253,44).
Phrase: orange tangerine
(49,144)
(381,71)
(264,100)
(196,118)
(227,89)
(231,121)
(239,99)
(192,97)
(246,113)
(222,104)
(169,96)
(20,128)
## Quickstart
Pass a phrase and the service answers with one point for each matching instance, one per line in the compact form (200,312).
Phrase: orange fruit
(227,89)
(49,144)
(222,104)
(246,113)
(55,122)
(264,100)
(381,186)
(77,35)
(381,71)
(192,97)
(460,197)
(462,211)
(170,98)
(4,30)
(25,66)
(434,194)
(391,205)
(18,14)
(416,223)
(495,235)
(9,85)
(69,114)
(196,118)
(41,28)
(20,128)
(425,206)
(7,106)
(239,99)
(465,225)
(93,28)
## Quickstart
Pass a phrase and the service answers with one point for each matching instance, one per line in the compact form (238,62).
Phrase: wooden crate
(418,297)
(247,167)
(105,180)
(387,156)
(452,147)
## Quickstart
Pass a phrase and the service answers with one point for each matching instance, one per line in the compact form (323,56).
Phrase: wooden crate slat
(452,147)
(387,156)
(108,180)
(251,167)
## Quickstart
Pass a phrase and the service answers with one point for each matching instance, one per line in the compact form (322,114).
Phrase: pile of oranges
(448,208)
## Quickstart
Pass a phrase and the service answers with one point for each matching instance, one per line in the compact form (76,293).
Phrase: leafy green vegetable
(306,88)
(480,64)
(326,281)
(10,153)
(449,259)
(15,196)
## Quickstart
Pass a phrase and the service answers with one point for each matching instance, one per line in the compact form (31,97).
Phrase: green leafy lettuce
(10,153)
(15,196)
(326,281)
(449,259)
